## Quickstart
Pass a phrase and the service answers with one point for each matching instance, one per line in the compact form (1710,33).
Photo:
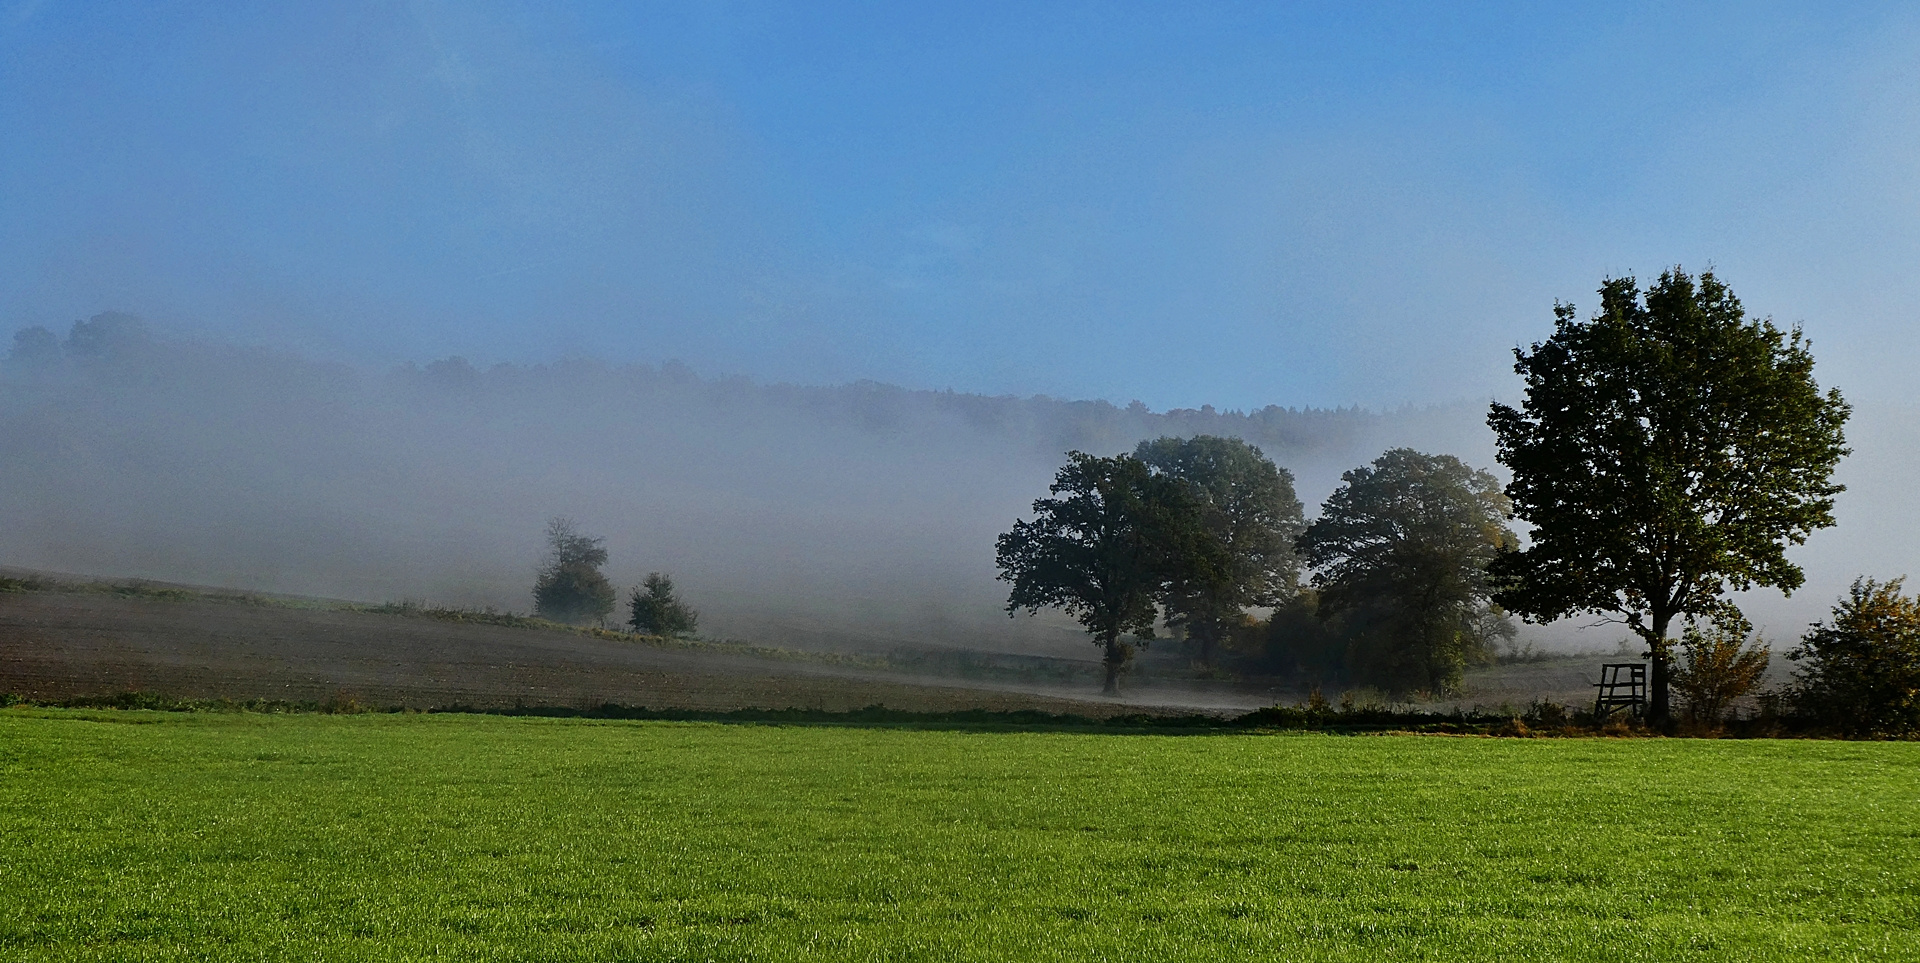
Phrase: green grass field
(149,836)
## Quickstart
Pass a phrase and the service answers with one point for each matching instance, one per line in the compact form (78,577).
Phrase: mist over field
(546,479)
(850,516)
(1351,214)
(824,515)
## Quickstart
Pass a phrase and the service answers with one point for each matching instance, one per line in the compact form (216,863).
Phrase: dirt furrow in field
(62,645)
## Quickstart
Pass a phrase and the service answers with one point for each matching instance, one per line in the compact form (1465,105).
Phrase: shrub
(1861,674)
(570,587)
(34,346)
(656,610)
(1718,666)
(1299,643)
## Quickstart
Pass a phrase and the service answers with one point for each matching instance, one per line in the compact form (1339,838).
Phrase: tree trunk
(1429,652)
(1659,710)
(1204,632)
(1114,657)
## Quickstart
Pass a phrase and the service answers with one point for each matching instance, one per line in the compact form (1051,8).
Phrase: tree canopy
(1252,516)
(1103,549)
(1400,551)
(1668,450)
(570,586)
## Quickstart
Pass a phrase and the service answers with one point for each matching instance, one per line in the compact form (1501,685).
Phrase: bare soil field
(190,642)
(58,645)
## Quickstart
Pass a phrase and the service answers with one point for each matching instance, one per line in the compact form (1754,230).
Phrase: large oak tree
(1104,548)
(1400,553)
(1668,450)
(1250,511)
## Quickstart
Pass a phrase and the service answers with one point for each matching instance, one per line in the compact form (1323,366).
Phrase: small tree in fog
(105,335)
(1718,665)
(655,609)
(570,587)
(1248,507)
(34,346)
(1861,673)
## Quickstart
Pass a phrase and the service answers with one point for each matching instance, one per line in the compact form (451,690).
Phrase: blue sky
(1185,204)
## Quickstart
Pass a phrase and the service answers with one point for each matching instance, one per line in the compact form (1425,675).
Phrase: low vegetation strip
(1273,718)
(150,835)
(1539,720)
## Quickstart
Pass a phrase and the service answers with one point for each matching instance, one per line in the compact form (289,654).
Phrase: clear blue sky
(1181,203)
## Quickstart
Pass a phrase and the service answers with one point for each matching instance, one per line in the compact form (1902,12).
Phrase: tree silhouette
(1249,509)
(1668,450)
(1400,551)
(654,609)
(1103,549)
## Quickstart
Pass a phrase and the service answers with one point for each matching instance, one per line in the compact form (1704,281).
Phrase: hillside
(100,640)
(65,639)
(851,517)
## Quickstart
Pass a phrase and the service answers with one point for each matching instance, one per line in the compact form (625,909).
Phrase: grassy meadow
(159,836)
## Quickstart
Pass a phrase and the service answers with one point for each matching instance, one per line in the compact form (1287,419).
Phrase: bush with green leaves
(1301,644)
(1720,661)
(1860,673)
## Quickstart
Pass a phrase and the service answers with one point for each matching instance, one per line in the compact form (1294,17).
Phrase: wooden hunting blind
(1622,685)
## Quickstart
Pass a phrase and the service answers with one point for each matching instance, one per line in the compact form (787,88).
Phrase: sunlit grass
(137,835)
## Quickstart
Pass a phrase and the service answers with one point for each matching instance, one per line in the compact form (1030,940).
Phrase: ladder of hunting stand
(1622,685)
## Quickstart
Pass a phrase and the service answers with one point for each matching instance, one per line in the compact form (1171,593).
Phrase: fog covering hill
(854,516)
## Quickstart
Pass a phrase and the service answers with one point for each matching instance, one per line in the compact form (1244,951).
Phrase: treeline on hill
(1053,424)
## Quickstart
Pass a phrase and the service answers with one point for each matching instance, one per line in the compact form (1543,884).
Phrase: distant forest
(111,341)
(1050,425)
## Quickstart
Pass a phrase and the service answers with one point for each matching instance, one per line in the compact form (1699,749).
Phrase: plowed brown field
(58,645)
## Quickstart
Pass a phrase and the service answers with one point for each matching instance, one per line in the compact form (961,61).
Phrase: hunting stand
(1622,685)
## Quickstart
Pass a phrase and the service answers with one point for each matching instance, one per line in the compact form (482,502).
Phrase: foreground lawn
(154,836)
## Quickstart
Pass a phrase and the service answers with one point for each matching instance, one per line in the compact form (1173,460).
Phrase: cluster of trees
(1200,528)
(1196,532)
(571,588)
(104,335)
(1667,452)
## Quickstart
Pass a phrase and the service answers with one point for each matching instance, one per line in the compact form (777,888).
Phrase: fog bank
(855,516)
